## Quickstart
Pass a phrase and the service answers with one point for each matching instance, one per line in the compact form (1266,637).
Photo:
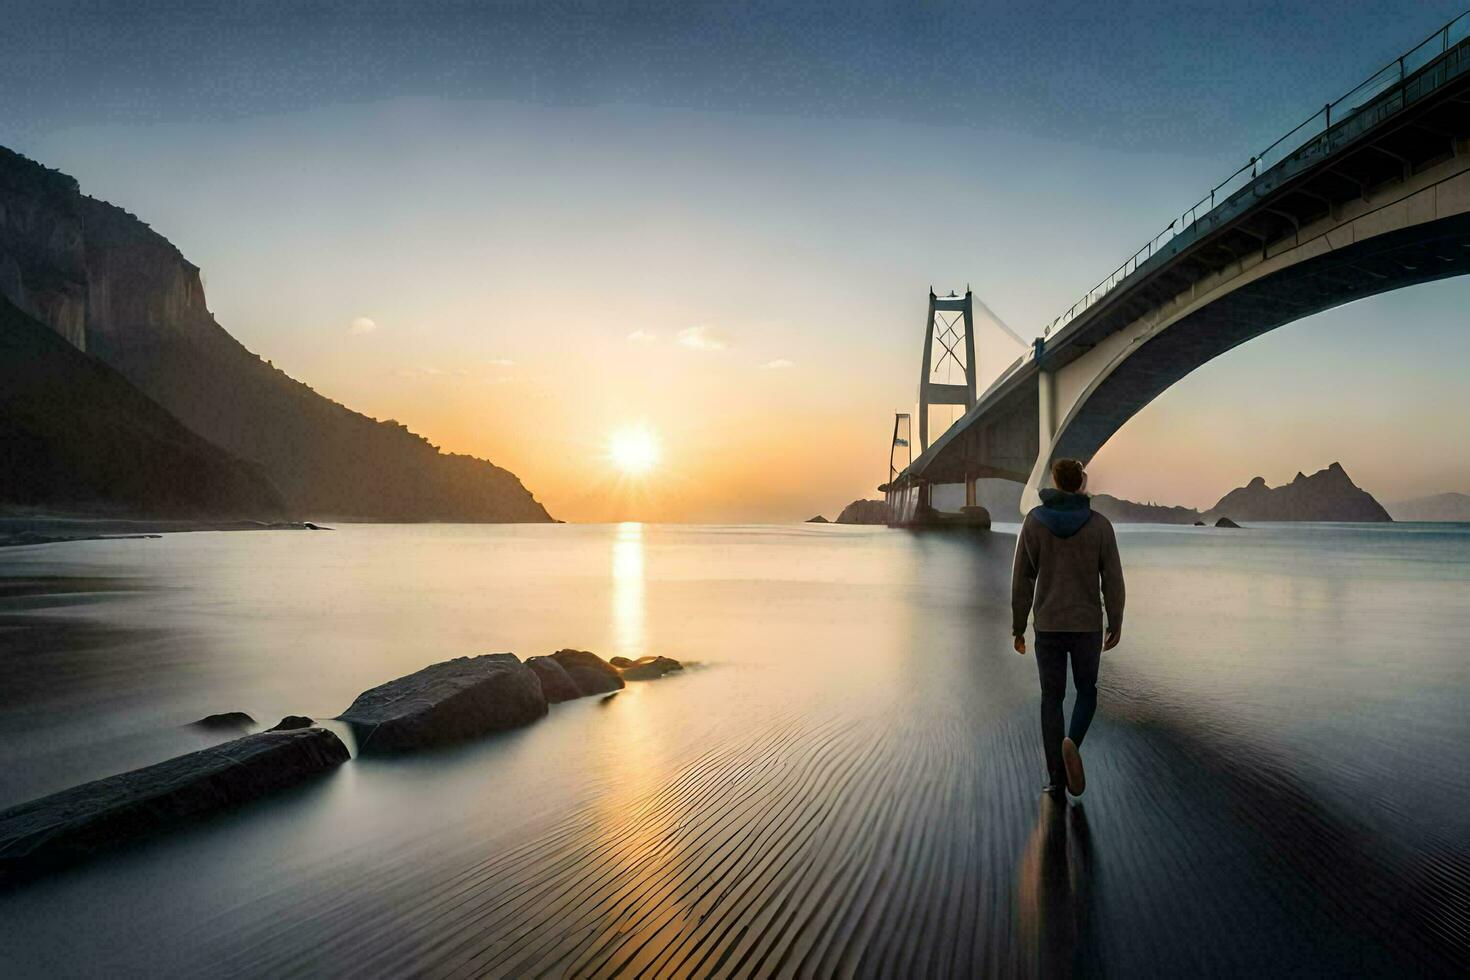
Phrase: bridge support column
(1046,391)
(1046,414)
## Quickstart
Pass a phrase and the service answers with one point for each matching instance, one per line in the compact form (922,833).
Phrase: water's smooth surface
(845,783)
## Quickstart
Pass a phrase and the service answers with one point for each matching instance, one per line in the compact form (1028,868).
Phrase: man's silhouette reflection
(1055,892)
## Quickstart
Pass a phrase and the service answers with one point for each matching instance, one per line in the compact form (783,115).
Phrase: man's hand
(1020,645)
(1114,635)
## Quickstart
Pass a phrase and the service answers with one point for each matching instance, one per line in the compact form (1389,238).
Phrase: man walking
(1065,556)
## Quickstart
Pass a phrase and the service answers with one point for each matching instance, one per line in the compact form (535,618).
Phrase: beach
(844,781)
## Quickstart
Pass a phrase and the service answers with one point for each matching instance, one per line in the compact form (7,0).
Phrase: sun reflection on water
(627,590)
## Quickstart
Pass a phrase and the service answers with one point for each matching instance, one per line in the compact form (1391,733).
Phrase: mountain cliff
(76,437)
(114,288)
(1327,495)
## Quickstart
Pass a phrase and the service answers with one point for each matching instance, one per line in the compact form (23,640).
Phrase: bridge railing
(1327,129)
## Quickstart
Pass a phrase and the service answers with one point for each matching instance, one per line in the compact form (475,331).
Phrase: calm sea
(844,782)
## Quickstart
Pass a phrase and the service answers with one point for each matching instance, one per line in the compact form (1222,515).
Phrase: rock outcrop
(75,823)
(111,286)
(588,671)
(864,512)
(1327,495)
(1227,522)
(646,668)
(292,722)
(227,719)
(556,683)
(447,702)
(819,519)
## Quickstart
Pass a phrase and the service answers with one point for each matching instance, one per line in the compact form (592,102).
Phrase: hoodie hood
(1063,514)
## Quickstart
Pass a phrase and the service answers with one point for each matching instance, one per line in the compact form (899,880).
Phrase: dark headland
(123,397)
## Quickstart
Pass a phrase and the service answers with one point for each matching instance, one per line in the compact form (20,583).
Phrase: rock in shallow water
(447,702)
(227,719)
(648,668)
(588,671)
(556,683)
(75,823)
(291,723)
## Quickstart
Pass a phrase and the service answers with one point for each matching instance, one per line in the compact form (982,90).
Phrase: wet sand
(16,531)
(846,786)
(918,849)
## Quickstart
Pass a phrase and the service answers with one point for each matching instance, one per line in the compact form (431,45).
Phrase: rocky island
(1327,495)
(864,512)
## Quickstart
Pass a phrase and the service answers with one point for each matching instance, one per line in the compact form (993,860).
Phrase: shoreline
(20,531)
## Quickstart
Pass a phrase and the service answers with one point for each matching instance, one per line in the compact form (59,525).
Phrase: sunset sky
(530,230)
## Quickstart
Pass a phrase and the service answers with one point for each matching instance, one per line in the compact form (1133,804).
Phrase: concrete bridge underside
(1118,380)
(1388,209)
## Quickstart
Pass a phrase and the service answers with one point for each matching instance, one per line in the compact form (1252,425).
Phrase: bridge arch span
(1419,233)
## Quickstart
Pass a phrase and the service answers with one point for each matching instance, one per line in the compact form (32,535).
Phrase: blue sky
(509,192)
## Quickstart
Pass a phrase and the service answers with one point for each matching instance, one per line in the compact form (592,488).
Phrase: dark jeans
(1052,653)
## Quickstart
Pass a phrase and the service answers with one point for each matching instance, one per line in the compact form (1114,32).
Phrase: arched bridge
(1370,194)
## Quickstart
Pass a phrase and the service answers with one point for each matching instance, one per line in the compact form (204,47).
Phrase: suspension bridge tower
(949,380)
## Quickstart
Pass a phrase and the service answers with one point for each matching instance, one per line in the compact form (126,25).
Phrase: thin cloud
(641,337)
(703,338)
(429,371)
(779,364)
(361,325)
(502,362)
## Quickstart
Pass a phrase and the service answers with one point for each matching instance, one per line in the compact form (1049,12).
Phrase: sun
(634,450)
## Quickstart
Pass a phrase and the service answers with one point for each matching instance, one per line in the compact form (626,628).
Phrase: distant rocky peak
(1327,495)
(1331,474)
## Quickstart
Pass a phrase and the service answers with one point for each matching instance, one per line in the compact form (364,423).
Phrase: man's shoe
(1072,759)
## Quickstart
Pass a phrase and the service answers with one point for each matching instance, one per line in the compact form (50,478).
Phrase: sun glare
(634,451)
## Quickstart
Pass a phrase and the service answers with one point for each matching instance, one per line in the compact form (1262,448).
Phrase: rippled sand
(845,785)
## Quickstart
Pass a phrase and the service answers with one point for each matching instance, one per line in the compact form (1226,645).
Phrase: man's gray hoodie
(1065,555)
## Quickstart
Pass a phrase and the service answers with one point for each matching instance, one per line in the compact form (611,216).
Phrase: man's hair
(1067,475)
